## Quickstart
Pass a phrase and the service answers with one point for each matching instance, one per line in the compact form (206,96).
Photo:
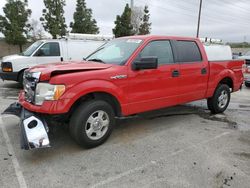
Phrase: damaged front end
(34,129)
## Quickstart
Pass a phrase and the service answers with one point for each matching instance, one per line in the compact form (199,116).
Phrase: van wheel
(247,84)
(220,100)
(92,123)
(20,78)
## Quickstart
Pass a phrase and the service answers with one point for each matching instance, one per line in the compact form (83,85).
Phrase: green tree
(83,22)
(14,25)
(53,19)
(123,26)
(145,26)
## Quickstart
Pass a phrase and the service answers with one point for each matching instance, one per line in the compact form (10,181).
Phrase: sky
(228,20)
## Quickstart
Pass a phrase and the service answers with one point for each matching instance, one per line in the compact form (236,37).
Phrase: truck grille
(30,80)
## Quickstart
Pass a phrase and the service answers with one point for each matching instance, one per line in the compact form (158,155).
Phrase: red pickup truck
(124,77)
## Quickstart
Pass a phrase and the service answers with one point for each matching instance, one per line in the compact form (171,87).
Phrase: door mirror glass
(145,63)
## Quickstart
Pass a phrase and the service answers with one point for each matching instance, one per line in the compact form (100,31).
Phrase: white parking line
(18,171)
(5,88)
(152,163)
(114,178)
(14,98)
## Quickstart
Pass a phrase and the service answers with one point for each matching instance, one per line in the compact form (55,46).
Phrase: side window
(160,49)
(49,49)
(188,51)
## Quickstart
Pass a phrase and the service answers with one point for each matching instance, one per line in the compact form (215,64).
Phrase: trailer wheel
(218,103)
(92,123)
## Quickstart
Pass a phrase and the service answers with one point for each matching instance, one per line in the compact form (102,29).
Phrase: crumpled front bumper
(34,129)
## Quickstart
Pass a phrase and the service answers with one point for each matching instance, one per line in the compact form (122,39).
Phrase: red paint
(142,90)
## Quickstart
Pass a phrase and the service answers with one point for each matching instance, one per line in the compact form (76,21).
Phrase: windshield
(116,51)
(32,48)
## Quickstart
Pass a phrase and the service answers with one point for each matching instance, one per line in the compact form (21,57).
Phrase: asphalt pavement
(184,146)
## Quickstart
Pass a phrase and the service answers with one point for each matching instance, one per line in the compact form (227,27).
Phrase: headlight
(6,67)
(45,91)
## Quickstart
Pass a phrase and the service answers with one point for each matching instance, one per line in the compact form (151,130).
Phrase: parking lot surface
(184,146)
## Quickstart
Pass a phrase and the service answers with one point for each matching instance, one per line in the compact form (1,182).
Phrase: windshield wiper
(96,60)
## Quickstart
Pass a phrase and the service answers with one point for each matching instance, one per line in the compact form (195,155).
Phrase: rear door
(49,52)
(155,88)
(193,71)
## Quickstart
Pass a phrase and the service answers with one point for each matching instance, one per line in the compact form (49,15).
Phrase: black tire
(20,78)
(213,103)
(79,122)
(247,84)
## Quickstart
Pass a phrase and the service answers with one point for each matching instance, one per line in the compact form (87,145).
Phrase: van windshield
(116,51)
(29,51)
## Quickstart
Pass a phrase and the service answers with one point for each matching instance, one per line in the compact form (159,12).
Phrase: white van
(71,48)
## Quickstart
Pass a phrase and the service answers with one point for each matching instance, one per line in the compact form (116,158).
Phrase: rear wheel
(220,100)
(92,123)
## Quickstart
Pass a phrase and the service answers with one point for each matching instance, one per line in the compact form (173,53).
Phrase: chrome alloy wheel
(223,99)
(97,125)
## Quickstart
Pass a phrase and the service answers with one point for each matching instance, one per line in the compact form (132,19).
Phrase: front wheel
(218,103)
(92,123)
(20,78)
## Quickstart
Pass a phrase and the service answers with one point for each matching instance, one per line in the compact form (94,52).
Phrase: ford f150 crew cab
(124,77)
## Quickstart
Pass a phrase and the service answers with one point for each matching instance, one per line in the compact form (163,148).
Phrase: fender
(23,63)
(215,79)
(91,86)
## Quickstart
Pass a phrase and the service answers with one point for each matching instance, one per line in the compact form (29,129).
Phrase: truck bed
(218,70)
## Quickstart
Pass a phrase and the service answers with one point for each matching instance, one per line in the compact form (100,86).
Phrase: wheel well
(228,81)
(20,72)
(99,96)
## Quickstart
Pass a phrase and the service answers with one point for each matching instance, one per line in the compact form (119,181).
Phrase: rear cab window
(187,52)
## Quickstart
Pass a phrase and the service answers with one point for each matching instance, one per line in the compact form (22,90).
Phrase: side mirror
(145,63)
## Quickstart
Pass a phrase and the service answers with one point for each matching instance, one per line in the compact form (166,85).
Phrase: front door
(154,88)
(48,53)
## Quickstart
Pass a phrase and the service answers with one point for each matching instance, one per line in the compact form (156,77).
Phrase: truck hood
(52,69)
(10,58)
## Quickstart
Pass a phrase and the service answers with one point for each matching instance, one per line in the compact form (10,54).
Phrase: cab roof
(151,37)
